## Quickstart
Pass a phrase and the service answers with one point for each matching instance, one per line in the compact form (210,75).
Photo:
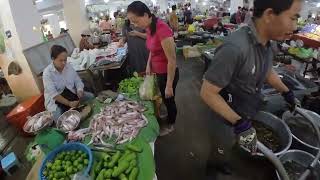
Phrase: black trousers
(169,102)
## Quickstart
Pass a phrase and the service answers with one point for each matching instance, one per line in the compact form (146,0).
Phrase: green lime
(58,168)
(69,170)
(45,172)
(68,163)
(80,160)
(80,167)
(75,170)
(49,165)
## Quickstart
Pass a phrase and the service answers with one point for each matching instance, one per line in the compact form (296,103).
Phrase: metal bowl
(65,116)
(33,119)
(300,157)
(279,127)
(297,143)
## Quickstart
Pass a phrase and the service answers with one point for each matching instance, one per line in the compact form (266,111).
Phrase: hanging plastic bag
(191,28)
(147,89)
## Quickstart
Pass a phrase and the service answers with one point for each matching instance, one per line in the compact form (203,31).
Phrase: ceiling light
(318,5)
(106,1)
(197,1)
(204,3)
(47,15)
(122,10)
(38,1)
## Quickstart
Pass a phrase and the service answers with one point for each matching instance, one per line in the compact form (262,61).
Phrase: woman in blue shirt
(63,88)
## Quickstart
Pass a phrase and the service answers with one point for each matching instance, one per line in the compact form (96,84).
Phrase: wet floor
(182,155)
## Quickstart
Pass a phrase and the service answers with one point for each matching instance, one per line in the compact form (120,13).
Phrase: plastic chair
(8,162)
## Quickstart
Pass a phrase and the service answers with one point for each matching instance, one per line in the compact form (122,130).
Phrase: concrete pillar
(21,18)
(163,5)
(234,4)
(53,20)
(76,18)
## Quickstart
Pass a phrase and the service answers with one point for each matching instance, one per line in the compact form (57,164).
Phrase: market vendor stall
(310,35)
(113,130)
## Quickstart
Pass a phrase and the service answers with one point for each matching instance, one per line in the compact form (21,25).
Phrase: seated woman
(63,88)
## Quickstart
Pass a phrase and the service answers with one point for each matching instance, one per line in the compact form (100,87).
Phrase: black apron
(70,96)
(243,103)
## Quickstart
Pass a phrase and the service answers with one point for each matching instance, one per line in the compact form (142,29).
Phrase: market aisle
(182,154)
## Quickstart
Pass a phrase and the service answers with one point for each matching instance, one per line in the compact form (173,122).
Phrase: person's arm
(138,34)
(169,48)
(210,95)
(226,62)
(62,100)
(148,68)
(274,80)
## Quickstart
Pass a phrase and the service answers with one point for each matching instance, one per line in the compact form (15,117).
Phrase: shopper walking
(232,85)
(173,21)
(162,57)
(137,50)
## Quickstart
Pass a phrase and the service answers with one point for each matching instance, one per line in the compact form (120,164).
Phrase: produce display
(130,86)
(267,136)
(301,52)
(38,121)
(120,122)
(65,165)
(303,130)
(121,165)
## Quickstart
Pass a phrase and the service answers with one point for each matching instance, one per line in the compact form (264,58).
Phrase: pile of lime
(66,164)
(118,165)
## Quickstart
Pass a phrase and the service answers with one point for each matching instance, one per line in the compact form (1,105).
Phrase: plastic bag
(191,28)
(147,89)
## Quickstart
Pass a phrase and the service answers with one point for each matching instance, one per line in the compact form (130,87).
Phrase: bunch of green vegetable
(130,86)
(118,165)
(65,165)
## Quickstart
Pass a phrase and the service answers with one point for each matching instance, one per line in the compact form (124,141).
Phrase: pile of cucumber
(120,165)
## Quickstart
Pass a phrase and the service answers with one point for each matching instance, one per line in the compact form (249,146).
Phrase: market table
(96,81)
(145,138)
(307,61)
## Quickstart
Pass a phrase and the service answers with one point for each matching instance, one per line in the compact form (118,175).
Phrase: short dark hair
(56,50)
(277,6)
(174,7)
(239,7)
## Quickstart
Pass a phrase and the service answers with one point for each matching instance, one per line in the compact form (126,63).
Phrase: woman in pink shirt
(162,56)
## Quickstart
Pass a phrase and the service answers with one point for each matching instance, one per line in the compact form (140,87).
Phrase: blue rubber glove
(246,135)
(292,101)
